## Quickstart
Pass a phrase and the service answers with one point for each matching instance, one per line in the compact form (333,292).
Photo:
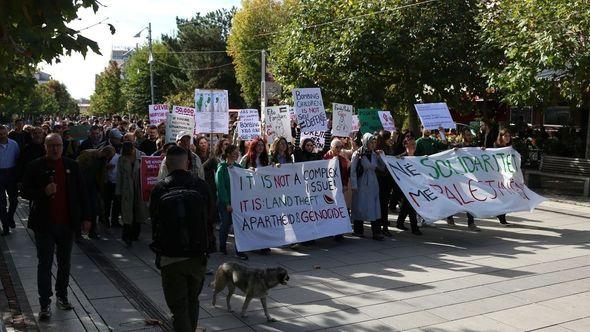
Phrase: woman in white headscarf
(365,187)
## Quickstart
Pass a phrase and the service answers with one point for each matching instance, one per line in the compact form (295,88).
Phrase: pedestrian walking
(9,154)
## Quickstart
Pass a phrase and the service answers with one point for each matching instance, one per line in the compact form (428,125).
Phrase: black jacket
(36,178)
(29,153)
(175,179)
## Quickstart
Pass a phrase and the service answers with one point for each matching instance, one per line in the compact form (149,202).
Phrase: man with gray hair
(54,186)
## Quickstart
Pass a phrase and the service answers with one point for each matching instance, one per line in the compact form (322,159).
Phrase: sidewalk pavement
(534,275)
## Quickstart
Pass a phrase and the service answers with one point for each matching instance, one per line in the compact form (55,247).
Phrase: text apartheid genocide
(316,181)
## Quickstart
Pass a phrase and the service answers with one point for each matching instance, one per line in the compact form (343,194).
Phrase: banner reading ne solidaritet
(275,206)
(484,183)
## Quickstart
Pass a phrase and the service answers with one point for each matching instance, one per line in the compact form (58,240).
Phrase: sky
(128,17)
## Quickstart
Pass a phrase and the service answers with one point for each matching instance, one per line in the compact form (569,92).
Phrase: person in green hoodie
(427,145)
(230,157)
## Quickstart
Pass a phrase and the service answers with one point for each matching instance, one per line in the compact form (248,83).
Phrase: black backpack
(183,223)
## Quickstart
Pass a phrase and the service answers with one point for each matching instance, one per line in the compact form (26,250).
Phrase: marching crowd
(74,187)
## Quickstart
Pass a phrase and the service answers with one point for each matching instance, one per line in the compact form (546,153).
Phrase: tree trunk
(413,121)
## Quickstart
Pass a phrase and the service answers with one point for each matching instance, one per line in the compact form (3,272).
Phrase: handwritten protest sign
(341,120)
(276,206)
(211,111)
(277,123)
(309,108)
(435,115)
(150,165)
(484,183)
(158,113)
(318,138)
(369,120)
(292,115)
(356,123)
(249,124)
(386,120)
(180,119)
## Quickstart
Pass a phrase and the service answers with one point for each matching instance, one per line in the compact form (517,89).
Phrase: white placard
(387,121)
(276,206)
(482,182)
(158,113)
(277,123)
(318,138)
(435,115)
(341,120)
(309,108)
(356,123)
(249,124)
(211,111)
(178,122)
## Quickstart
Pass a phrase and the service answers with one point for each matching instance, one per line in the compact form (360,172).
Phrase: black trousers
(8,188)
(55,240)
(385,187)
(406,210)
(112,207)
(131,232)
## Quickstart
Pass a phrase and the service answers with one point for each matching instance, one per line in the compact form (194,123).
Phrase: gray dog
(255,283)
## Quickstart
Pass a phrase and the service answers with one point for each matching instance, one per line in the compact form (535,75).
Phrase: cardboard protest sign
(80,132)
(150,165)
(276,206)
(292,115)
(341,120)
(277,123)
(211,111)
(369,120)
(309,108)
(158,113)
(318,138)
(356,123)
(387,121)
(484,183)
(435,115)
(179,120)
(249,124)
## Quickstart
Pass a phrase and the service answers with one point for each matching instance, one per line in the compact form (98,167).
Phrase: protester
(112,205)
(427,145)
(9,154)
(257,155)
(279,152)
(133,208)
(406,209)
(179,239)
(306,152)
(17,134)
(35,149)
(230,157)
(503,140)
(148,146)
(365,187)
(385,180)
(202,148)
(92,164)
(55,187)
(183,139)
(93,141)
(344,164)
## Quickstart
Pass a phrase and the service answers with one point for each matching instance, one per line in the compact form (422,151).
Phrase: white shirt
(112,173)
(9,154)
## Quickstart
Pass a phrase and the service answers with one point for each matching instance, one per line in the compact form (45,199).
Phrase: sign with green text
(369,120)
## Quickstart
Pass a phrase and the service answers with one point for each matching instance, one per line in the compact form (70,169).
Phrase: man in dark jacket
(54,186)
(182,277)
(35,149)
(93,141)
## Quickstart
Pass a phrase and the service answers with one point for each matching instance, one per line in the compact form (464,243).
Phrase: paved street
(534,275)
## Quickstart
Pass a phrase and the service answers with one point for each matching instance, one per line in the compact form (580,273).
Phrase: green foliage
(545,50)
(66,104)
(136,83)
(205,70)
(107,97)
(30,32)
(250,28)
(392,59)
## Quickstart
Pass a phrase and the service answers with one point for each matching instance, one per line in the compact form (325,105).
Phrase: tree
(66,104)
(136,83)
(200,47)
(388,55)
(545,48)
(35,31)
(107,97)
(251,31)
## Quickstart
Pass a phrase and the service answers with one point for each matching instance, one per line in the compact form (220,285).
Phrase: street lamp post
(150,58)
